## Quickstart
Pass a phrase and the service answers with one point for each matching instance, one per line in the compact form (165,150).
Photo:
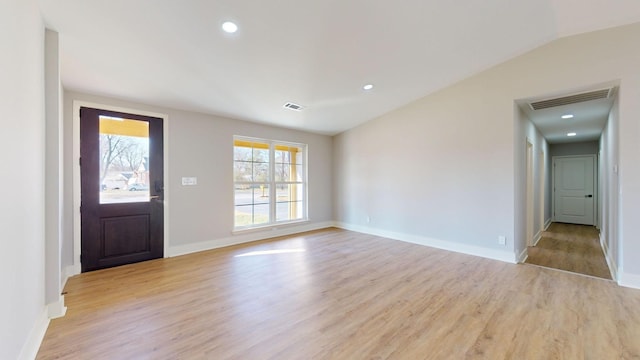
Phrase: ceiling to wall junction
(317,54)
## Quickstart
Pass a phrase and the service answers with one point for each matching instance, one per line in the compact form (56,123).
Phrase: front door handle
(159,186)
(588,196)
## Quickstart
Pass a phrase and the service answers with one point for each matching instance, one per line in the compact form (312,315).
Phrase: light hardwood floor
(570,247)
(335,294)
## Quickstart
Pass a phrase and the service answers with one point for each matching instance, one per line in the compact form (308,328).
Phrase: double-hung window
(270,182)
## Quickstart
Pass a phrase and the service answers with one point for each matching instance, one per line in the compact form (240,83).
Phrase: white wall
(445,166)
(22,310)
(526,130)
(201,217)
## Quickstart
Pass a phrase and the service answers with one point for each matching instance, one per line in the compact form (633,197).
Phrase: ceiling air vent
(571,99)
(292,106)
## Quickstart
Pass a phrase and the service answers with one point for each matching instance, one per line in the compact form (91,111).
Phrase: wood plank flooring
(335,294)
(570,247)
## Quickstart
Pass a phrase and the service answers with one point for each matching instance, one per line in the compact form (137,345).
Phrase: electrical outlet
(502,240)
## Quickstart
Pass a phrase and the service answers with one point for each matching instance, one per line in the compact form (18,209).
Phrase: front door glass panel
(124,160)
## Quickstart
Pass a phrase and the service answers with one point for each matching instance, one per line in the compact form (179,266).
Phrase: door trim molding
(77,104)
(530,232)
(553,183)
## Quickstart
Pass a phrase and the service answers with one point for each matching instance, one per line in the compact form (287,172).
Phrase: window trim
(272,146)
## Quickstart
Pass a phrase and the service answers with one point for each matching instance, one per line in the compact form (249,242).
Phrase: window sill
(271,227)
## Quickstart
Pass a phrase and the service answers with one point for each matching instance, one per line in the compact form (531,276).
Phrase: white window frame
(272,183)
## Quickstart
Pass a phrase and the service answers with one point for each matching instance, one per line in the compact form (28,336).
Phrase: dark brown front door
(121,161)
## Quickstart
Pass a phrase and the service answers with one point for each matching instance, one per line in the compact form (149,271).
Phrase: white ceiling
(589,117)
(314,53)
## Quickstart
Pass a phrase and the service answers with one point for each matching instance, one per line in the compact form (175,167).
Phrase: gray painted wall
(202,146)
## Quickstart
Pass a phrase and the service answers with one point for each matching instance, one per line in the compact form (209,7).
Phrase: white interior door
(574,189)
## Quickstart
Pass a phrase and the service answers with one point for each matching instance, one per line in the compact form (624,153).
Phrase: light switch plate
(189,181)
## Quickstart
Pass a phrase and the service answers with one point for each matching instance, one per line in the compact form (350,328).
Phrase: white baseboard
(613,268)
(501,255)
(629,280)
(523,255)
(241,238)
(57,309)
(537,238)
(32,345)
(70,271)
(547,224)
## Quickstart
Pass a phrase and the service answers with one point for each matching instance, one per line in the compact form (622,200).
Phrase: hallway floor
(570,247)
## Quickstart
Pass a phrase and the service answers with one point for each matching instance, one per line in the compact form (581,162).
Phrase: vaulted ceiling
(317,54)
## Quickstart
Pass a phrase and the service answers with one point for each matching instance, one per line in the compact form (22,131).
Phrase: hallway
(569,247)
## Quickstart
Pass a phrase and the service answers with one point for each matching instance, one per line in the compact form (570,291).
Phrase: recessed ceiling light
(571,134)
(568,116)
(368,87)
(229,27)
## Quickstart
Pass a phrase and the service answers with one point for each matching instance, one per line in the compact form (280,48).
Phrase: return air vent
(292,106)
(571,99)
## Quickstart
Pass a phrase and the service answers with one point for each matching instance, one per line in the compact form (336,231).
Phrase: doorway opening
(118,186)
(560,211)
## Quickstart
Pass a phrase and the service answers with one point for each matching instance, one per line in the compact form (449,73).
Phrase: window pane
(261,155)
(282,192)
(261,194)
(283,156)
(261,214)
(244,215)
(299,208)
(297,174)
(283,172)
(251,204)
(241,153)
(282,212)
(292,210)
(242,171)
(243,195)
(260,172)
(289,202)
(297,192)
(124,160)
(247,215)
